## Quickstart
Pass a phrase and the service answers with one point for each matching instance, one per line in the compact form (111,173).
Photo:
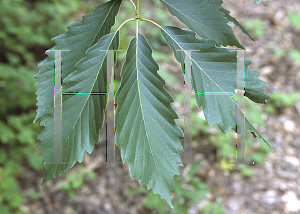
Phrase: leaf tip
(43,183)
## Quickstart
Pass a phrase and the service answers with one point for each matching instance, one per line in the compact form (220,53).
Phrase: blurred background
(271,185)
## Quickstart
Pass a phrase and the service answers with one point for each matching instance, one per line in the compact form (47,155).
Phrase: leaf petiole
(137,27)
(133,6)
(132,19)
(148,20)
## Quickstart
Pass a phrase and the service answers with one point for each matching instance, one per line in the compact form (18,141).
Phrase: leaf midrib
(197,64)
(89,93)
(102,24)
(141,106)
(216,32)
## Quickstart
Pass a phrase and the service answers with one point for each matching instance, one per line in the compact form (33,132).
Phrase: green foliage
(20,20)
(190,190)
(10,197)
(140,189)
(157,40)
(79,115)
(225,143)
(256,26)
(254,112)
(205,19)
(146,129)
(23,34)
(33,194)
(17,133)
(125,40)
(279,52)
(230,18)
(246,171)
(186,191)
(206,78)
(294,19)
(101,21)
(148,103)
(254,152)
(198,124)
(153,201)
(16,88)
(75,180)
(280,99)
(213,208)
(294,55)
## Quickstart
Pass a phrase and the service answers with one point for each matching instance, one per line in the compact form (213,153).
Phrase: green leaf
(294,19)
(230,18)
(153,201)
(3,156)
(294,55)
(180,207)
(11,168)
(284,99)
(218,209)
(81,36)
(7,134)
(194,168)
(214,70)
(82,115)
(246,171)
(199,192)
(146,129)
(4,209)
(32,194)
(34,160)
(256,26)
(205,19)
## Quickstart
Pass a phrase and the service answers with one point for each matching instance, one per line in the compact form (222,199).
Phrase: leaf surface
(214,70)
(82,115)
(230,18)
(80,36)
(203,18)
(146,129)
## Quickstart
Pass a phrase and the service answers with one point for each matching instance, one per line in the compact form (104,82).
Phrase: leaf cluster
(144,120)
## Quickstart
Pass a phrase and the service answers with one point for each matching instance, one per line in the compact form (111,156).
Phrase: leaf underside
(80,36)
(230,18)
(214,70)
(83,70)
(82,115)
(146,129)
(205,19)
